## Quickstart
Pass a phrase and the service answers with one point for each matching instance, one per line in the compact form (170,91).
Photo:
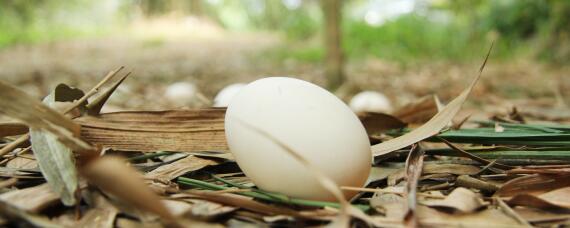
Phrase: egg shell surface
(309,120)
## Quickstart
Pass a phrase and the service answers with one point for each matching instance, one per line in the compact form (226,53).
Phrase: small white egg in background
(370,101)
(181,93)
(224,97)
(306,118)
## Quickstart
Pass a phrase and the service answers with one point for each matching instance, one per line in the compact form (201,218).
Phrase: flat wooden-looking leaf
(149,131)
(460,200)
(56,162)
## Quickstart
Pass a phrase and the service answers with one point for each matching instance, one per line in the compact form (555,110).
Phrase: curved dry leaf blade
(555,199)
(434,125)
(460,200)
(533,184)
(95,107)
(180,167)
(414,167)
(56,160)
(33,199)
(114,176)
(36,115)
(15,213)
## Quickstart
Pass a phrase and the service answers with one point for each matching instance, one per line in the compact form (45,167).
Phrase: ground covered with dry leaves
(435,165)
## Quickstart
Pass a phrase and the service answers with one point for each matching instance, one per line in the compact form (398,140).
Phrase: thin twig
(510,212)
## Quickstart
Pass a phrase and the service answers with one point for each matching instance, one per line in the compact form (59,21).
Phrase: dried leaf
(112,175)
(149,131)
(16,214)
(33,199)
(238,201)
(376,123)
(19,105)
(179,168)
(12,128)
(555,199)
(414,167)
(95,107)
(102,213)
(491,217)
(56,161)
(419,111)
(533,184)
(459,200)
(433,126)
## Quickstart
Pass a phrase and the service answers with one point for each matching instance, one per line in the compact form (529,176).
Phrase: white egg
(181,93)
(224,97)
(308,119)
(370,101)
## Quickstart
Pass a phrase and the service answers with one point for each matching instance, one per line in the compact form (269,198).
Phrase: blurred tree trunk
(196,8)
(334,56)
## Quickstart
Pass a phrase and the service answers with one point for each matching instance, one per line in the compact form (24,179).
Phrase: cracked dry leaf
(460,200)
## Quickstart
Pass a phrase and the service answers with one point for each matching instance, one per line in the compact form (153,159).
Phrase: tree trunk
(334,56)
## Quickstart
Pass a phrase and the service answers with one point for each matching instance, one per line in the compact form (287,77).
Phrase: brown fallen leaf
(112,175)
(533,184)
(535,215)
(25,218)
(414,167)
(376,123)
(33,199)
(102,214)
(490,217)
(36,115)
(418,112)
(12,128)
(555,199)
(460,200)
(179,168)
(149,131)
(238,201)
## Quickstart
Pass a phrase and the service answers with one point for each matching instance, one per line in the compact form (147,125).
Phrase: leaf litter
(176,169)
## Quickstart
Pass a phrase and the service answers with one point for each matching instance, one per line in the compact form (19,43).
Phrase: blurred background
(405,49)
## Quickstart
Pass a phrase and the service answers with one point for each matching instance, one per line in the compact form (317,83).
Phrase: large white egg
(370,101)
(308,119)
(225,96)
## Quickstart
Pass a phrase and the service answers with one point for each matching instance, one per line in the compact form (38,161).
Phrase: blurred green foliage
(529,28)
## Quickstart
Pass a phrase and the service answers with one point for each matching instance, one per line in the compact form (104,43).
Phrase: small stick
(76,104)
(510,212)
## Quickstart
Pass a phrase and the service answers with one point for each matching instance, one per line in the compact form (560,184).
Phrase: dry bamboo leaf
(56,161)
(533,184)
(238,201)
(36,115)
(535,215)
(459,200)
(22,163)
(456,169)
(491,217)
(149,131)
(179,168)
(112,175)
(434,125)
(471,182)
(555,199)
(12,128)
(418,112)
(203,209)
(393,206)
(33,199)
(376,123)
(95,107)
(414,167)
(17,214)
